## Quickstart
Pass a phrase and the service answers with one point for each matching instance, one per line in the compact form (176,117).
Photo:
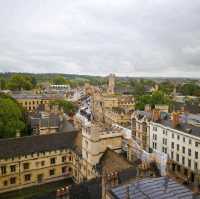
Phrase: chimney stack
(175,119)
(156,115)
(147,108)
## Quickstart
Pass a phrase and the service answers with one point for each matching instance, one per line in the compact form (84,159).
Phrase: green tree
(191,89)
(139,89)
(166,87)
(33,81)
(59,80)
(18,82)
(68,107)
(11,117)
(157,97)
(2,83)
(141,101)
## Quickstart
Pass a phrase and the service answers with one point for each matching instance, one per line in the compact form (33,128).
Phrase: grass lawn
(46,191)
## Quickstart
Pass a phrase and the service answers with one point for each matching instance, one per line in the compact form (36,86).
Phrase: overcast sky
(127,37)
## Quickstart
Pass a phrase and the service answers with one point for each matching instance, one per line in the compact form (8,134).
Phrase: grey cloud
(128,37)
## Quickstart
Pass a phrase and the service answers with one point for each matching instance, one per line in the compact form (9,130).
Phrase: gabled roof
(113,162)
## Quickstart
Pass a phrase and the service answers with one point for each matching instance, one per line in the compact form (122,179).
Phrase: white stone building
(181,142)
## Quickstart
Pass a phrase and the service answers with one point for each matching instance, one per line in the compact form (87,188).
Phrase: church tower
(111,84)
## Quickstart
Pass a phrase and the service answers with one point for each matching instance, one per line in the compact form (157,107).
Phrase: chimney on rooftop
(156,115)
(175,119)
(147,108)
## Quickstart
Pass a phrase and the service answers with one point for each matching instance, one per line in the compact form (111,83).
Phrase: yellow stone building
(35,160)
(106,105)
(32,102)
(96,138)
(118,116)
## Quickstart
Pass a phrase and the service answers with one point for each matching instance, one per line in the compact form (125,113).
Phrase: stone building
(118,116)
(40,159)
(113,169)
(180,140)
(140,128)
(44,123)
(32,102)
(96,138)
(105,102)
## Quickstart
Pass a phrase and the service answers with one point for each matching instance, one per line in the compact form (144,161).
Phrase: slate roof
(50,121)
(184,127)
(189,107)
(154,188)
(38,143)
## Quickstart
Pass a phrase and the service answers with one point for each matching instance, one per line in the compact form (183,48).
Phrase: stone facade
(34,169)
(32,104)
(182,149)
(140,129)
(46,158)
(96,139)
(118,116)
(47,163)
(104,104)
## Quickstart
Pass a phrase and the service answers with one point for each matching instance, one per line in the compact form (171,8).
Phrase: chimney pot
(156,115)
(175,119)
